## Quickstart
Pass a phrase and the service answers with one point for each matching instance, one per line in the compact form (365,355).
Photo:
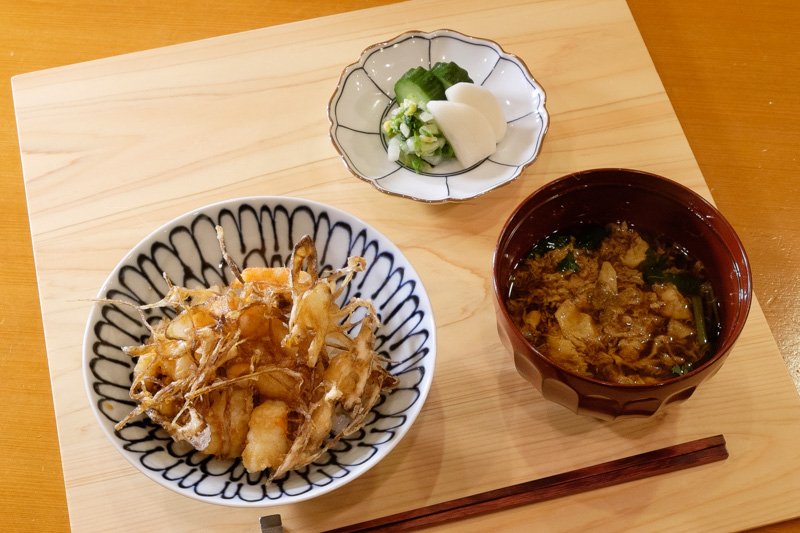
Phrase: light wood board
(111,149)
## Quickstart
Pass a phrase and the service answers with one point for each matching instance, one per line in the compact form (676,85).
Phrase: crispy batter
(261,368)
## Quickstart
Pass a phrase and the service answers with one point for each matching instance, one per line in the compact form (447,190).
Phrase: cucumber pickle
(421,85)
(450,74)
(418,85)
(413,138)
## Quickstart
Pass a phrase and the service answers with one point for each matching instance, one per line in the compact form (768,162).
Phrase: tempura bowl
(260,231)
(657,206)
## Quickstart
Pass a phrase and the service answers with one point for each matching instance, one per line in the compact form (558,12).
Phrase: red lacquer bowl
(657,206)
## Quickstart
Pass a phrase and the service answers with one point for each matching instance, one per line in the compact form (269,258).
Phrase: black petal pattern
(259,231)
(364,98)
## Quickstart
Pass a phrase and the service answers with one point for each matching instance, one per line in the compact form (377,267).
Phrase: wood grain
(727,67)
(35,36)
(640,466)
(731,75)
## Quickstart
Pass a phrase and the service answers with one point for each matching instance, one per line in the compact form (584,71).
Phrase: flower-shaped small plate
(259,231)
(364,97)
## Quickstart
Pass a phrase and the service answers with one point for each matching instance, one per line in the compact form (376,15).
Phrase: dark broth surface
(610,303)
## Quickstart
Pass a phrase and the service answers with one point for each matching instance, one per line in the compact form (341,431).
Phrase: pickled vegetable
(418,85)
(450,73)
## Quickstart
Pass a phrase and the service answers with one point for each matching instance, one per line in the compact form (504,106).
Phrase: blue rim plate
(259,231)
(364,96)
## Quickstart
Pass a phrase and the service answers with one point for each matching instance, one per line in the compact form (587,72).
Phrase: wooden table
(729,69)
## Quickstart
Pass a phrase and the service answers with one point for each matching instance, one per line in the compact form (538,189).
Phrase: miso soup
(611,303)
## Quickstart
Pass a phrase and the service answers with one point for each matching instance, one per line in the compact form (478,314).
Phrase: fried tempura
(259,369)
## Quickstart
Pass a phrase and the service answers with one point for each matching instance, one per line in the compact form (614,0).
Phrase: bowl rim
(432,34)
(744,276)
(425,385)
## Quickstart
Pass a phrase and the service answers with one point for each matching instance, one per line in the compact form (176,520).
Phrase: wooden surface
(729,70)
(640,466)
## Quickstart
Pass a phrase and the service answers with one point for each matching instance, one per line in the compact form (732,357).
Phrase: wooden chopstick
(669,459)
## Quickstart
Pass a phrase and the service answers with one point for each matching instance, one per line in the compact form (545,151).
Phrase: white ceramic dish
(365,95)
(260,231)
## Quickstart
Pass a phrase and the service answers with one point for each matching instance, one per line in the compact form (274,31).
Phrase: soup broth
(611,303)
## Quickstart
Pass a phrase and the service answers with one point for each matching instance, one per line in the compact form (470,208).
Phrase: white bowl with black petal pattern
(259,231)
(364,97)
